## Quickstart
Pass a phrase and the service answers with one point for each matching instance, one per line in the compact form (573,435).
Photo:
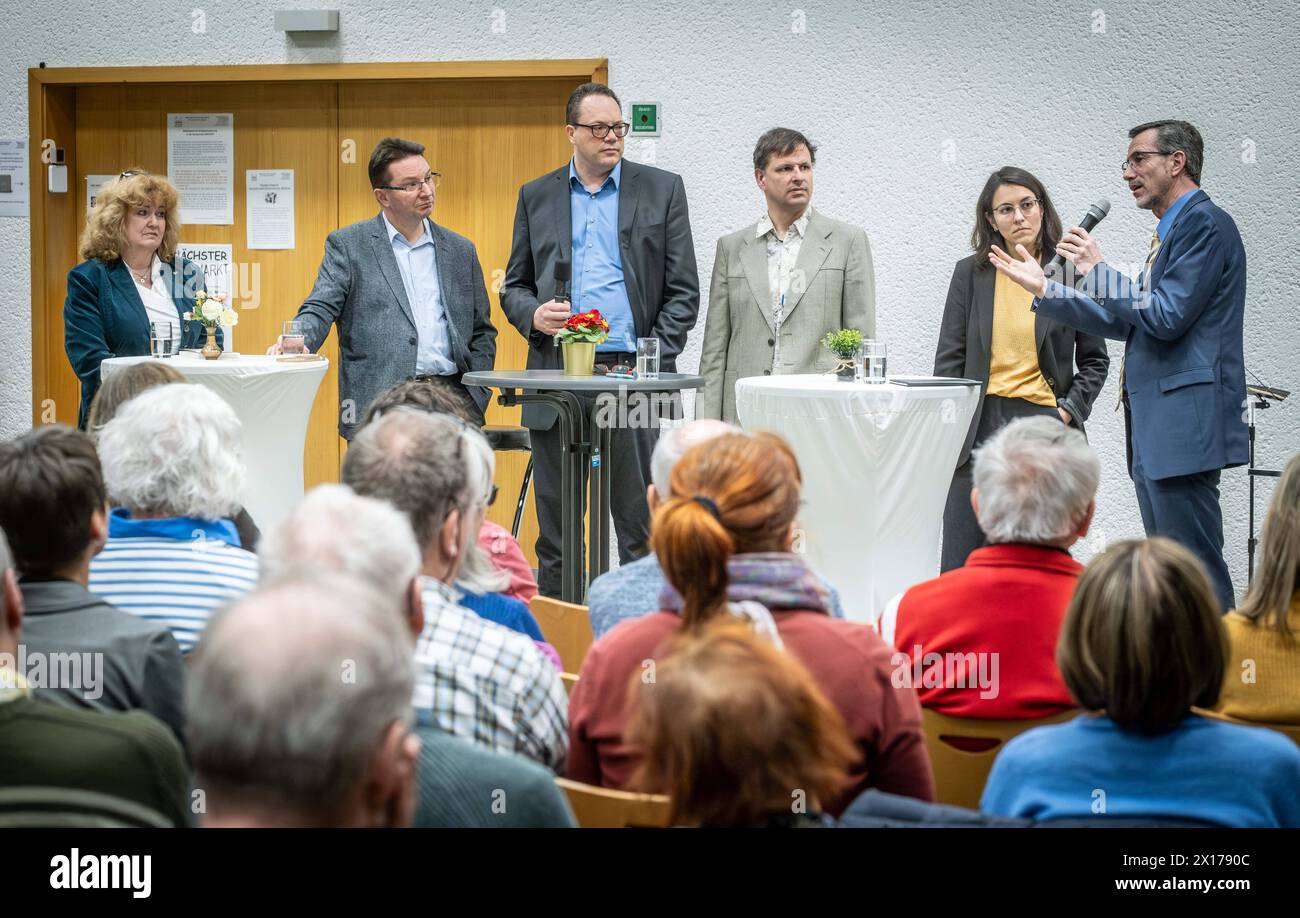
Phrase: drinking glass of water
(647,358)
(874,357)
(293,340)
(164,339)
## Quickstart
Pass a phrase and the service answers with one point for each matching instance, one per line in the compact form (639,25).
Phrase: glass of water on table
(164,339)
(870,366)
(647,358)
(293,340)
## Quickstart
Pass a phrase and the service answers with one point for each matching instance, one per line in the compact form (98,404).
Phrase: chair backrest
(566,627)
(64,807)
(1290,731)
(962,750)
(604,808)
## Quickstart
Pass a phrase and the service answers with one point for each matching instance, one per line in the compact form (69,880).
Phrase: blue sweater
(1206,770)
(502,609)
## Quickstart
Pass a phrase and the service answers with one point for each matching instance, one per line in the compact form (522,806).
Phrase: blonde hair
(1273,589)
(104,237)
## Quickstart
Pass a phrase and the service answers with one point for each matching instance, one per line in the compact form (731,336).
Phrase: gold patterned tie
(1146,273)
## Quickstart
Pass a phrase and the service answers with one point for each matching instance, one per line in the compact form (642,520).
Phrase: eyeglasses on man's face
(601,131)
(1027,207)
(1138,157)
(431,179)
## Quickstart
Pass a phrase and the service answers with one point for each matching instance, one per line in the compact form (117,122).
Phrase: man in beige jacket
(781,284)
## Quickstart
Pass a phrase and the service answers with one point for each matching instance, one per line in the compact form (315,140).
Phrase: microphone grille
(1102,205)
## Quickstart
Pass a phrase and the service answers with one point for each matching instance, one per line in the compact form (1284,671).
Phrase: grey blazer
(359,287)
(654,237)
(142,667)
(833,287)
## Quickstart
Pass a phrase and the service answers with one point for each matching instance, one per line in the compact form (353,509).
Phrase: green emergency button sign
(645,119)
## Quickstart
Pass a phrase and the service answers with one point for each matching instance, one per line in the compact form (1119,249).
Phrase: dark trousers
(1186,509)
(629,466)
(961,530)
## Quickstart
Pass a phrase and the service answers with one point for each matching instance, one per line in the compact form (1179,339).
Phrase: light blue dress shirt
(418,264)
(597,263)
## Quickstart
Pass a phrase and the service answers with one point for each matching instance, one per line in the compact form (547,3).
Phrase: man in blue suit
(1183,383)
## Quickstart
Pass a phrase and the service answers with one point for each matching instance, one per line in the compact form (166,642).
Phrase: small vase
(210,350)
(844,371)
(579,357)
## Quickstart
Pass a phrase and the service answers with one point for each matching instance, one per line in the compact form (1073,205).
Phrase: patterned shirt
(175,571)
(782,254)
(485,683)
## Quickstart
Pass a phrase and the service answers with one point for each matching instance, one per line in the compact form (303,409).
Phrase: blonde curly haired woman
(130,278)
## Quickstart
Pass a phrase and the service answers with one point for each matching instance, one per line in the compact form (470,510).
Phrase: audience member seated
(299,708)
(131,756)
(980,640)
(474,678)
(55,511)
(174,474)
(1262,681)
(1143,641)
(124,384)
(632,590)
(723,541)
(335,529)
(502,548)
(737,733)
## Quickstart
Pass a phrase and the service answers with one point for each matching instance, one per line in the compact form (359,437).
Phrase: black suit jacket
(966,339)
(654,236)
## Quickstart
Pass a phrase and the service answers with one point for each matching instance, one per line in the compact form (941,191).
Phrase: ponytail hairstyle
(733,494)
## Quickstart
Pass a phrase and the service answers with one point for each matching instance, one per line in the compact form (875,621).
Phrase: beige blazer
(833,287)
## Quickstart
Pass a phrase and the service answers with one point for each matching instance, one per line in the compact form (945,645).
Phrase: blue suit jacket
(103,316)
(1184,366)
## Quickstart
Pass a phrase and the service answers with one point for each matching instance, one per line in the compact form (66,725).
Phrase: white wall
(913,105)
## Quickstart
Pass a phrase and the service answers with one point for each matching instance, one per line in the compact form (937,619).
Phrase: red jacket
(1005,605)
(849,662)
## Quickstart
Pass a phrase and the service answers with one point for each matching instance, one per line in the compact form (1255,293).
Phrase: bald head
(295,694)
(673,444)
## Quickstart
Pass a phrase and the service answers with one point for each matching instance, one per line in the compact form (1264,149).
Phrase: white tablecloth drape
(876,462)
(273,400)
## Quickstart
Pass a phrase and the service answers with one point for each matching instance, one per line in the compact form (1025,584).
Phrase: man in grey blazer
(624,230)
(781,284)
(407,294)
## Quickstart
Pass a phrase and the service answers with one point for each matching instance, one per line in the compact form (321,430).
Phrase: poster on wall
(14,189)
(216,260)
(94,183)
(201,164)
(270,208)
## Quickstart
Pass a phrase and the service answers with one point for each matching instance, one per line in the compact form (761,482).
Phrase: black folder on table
(932,381)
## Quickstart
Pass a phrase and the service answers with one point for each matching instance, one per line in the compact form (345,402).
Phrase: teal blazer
(103,316)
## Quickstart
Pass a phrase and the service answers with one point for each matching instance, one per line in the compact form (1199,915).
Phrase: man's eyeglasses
(600,131)
(1137,157)
(1027,207)
(432,180)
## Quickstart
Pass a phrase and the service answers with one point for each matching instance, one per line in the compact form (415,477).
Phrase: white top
(158,304)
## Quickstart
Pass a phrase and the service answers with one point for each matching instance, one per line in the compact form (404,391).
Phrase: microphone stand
(1257,399)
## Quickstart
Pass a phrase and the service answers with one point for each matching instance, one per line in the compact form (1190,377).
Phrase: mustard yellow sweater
(1262,682)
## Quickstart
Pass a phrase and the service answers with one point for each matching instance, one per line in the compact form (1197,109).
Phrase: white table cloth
(273,400)
(876,462)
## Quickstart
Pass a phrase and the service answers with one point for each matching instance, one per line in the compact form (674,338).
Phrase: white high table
(876,462)
(273,400)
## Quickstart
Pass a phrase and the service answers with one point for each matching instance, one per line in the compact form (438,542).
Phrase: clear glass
(647,358)
(860,363)
(874,355)
(164,339)
(293,339)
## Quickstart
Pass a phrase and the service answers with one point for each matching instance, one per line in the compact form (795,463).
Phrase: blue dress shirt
(597,263)
(418,263)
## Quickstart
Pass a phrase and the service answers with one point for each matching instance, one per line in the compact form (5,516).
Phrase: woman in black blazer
(128,279)
(1026,362)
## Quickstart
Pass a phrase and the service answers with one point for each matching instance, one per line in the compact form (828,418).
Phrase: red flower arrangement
(584,327)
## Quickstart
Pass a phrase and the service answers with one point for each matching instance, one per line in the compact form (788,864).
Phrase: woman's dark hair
(1143,639)
(984,236)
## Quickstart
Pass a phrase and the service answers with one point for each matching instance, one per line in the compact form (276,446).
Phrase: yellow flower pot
(579,357)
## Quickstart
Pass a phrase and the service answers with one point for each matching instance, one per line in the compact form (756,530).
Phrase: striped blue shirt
(175,571)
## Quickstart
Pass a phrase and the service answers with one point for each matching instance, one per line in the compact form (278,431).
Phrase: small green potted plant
(843,344)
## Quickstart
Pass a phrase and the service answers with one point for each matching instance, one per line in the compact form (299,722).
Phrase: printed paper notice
(216,260)
(14,189)
(201,164)
(95,184)
(270,208)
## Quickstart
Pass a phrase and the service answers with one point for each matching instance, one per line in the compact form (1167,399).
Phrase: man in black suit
(625,231)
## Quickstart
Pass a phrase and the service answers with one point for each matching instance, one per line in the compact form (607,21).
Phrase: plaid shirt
(483,682)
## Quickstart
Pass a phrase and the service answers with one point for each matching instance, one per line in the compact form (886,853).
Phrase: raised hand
(1025,270)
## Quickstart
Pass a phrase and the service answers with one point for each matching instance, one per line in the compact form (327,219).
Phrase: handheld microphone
(1096,213)
(562,280)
